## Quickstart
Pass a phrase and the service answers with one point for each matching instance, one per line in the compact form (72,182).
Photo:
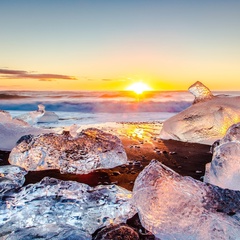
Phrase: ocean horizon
(90,107)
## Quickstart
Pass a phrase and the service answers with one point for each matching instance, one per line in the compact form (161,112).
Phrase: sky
(110,44)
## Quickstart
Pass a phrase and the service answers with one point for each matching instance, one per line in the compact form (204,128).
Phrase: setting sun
(139,87)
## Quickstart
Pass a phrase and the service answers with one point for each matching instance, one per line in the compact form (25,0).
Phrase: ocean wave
(98,107)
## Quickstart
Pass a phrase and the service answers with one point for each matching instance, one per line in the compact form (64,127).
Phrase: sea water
(91,107)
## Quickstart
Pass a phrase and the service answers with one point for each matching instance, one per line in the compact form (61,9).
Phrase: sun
(139,87)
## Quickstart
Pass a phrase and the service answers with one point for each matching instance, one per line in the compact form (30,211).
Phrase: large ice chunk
(90,150)
(12,129)
(206,120)
(48,232)
(53,201)
(176,207)
(11,177)
(224,169)
(39,116)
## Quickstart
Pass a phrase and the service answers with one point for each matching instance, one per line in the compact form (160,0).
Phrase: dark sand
(188,159)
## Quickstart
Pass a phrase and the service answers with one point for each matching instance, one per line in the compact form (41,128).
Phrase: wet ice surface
(176,207)
(12,129)
(224,169)
(91,149)
(65,203)
(49,231)
(39,116)
(206,120)
(11,177)
(32,117)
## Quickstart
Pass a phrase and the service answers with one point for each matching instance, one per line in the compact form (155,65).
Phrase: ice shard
(11,177)
(32,117)
(65,203)
(206,120)
(12,129)
(39,116)
(224,169)
(48,232)
(176,207)
(91,149)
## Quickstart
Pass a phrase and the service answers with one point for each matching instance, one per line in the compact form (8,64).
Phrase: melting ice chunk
(32,117)
(65,203)
(11,177)
(224,169)
(92,149)
(39,116)
(176,207)
(205,121)
(49,232)
(12,129)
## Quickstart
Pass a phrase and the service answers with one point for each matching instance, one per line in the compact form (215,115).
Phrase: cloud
(20,74)
(107,80)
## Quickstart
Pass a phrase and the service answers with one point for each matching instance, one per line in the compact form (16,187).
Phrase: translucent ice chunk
(91,149)
(201,92)
(176,207)
(32,117)
(65,203)
(224,169)
(11,177)
(48,231)
(205,121)
(12,129)
(48,117)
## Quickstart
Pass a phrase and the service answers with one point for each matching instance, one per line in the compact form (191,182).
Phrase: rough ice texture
(89,150)
(11,177)
(48,232)
(176,207)
(65,203)
(205,121)
(200,92)
(12,129)
(120,232)
(224,169)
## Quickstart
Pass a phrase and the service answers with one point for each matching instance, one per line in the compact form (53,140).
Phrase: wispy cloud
(107,80)
(8,73)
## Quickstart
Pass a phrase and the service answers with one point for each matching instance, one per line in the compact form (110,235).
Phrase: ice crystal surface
(89,150)
(206,120)
(11,177)
(39,116)
(224,169)
(48,232)
(12,129)
(69,203)
(176,207)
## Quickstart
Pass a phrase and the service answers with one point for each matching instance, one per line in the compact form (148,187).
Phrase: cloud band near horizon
(20,74)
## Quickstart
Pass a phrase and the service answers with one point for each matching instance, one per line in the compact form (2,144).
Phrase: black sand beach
(188,159)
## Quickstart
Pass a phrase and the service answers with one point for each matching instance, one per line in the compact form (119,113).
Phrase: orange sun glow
(139,87)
